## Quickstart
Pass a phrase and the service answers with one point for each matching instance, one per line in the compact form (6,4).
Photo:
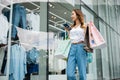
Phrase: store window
(23,46)
(59,13)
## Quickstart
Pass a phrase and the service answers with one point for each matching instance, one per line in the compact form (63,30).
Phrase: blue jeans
(18,18)
(32,68)
(77,56)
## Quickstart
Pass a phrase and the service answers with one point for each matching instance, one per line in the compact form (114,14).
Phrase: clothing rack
(59,17)
(28,10)
(4,6)
(34,10)
(34,4)
(57,28)
(12,42)
(9,38)
(37,7)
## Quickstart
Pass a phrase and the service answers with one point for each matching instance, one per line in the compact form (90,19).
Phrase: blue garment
(6,13)
(18,18)
(89,57)
(32,68)
(77,56)
(32,56)
(17,63)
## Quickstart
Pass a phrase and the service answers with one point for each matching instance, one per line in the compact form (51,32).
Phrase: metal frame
(9,40)
(4,6)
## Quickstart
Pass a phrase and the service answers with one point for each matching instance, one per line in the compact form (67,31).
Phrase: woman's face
(73,16)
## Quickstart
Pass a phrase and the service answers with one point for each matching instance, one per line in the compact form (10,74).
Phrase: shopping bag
(89,57)
(87,41)
(62,49)
(95,37)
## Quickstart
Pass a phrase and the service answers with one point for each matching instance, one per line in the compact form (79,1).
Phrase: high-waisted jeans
(77,57)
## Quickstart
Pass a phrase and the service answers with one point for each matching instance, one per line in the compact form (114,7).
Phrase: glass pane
(59,13)
(28,50)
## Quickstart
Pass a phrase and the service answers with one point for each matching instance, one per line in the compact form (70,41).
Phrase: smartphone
(66,25)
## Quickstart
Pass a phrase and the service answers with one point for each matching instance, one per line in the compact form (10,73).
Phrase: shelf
(3,78)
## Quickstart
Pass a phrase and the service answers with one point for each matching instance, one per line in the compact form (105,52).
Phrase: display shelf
(3,78)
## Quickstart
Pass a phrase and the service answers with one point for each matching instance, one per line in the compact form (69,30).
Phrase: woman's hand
(66,29)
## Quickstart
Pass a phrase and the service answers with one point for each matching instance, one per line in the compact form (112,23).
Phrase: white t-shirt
(76,34)
(33,21)
(4,26)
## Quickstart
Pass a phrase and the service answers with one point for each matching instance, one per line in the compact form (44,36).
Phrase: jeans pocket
(81,47)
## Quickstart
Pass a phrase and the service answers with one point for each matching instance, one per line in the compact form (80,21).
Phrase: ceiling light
(50,5)
(54,17)
(38,8)
(65,12)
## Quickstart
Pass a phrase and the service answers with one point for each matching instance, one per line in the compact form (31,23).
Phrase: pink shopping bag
(96,39)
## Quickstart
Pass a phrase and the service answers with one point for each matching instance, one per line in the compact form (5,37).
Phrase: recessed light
(54,17)
(65,12)
(38,8)
(50,5)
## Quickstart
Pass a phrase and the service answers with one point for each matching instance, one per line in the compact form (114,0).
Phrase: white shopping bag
(62,49)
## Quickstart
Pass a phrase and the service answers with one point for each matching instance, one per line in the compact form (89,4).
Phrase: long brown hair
(80,17)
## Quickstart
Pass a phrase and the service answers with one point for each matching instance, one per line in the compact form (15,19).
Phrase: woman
(77,54)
